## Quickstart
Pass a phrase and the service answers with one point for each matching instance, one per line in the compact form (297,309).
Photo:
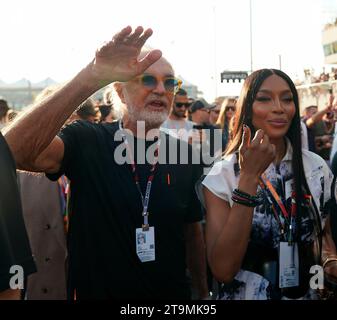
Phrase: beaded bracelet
(245,199)
(244,203)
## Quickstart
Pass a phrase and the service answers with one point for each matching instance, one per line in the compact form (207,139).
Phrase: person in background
(12,114)
(320,130)
(108,95)
(43,205)
(3,112)
(199,111)
(87,111)
(107,114)
(206,137)
(214,114)
(334,142)
(44,211)
(226,114)
(307,114)
(177,124)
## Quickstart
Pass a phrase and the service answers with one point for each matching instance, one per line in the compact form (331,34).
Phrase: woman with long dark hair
(267,200)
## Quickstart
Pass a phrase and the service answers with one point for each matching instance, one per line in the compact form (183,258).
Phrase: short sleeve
(328,179)
(328,189)
(319,178)
(73,137)
(221,179)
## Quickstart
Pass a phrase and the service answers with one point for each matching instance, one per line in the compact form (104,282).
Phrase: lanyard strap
(281,225)
(146,199)
(269,189)
(274,194)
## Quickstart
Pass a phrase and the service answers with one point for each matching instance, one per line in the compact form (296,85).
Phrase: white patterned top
(222,180)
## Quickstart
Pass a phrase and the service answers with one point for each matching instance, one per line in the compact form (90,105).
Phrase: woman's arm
(228,229)
(329,254)
(227,232)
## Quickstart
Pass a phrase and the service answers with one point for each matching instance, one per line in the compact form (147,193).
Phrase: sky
(44,38)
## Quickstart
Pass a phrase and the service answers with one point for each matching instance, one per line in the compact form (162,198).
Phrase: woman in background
(223,122)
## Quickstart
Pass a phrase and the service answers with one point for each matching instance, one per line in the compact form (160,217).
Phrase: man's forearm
(32,132)
(116,60)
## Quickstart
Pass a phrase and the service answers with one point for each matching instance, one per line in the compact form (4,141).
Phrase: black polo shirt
(14,245)
(106,209)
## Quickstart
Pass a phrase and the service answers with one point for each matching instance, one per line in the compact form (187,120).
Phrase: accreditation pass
(145,245)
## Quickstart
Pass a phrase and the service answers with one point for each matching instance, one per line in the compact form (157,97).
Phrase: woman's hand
(255,156)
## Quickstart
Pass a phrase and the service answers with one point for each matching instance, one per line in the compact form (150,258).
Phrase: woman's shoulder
(313,160)
(229,159)
(314,165)
(227,162)
(225,170)
(223,177)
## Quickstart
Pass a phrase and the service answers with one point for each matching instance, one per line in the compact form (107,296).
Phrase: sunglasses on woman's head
(171,84)
(182,104)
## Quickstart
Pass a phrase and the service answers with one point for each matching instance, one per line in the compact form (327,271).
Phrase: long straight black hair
(243,116)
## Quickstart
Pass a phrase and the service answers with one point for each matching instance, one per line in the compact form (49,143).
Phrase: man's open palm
(117,60)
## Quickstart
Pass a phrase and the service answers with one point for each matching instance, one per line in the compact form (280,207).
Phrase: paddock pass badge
(289,270)
(145,245)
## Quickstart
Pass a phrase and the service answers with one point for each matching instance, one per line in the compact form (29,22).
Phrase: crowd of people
(150,194)
(313,78)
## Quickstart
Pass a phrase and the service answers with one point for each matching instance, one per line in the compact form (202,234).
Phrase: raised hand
(255,156)
(117,60)
(331,100)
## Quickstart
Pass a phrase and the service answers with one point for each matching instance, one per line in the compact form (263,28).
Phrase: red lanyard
(64,184)
(267,186)
(145,199)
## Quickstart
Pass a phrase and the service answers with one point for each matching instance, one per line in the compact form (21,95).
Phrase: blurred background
(210,43)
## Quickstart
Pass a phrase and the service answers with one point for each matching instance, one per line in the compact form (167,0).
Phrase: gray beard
(152,119)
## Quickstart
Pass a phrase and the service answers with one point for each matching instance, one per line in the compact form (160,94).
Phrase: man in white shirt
(177,124)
